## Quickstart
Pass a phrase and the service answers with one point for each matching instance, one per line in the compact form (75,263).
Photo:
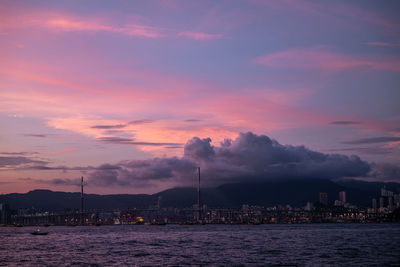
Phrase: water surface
(248,245)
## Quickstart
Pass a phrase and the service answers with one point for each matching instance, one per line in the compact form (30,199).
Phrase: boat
(158,223)
(38,232)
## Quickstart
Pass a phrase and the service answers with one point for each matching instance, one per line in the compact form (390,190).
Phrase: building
(396,200)
(342,197)
(309,206)
(381,203)
(5,214)
(390,203)
(383,192)
(374,204)
(338,203)
(323,198)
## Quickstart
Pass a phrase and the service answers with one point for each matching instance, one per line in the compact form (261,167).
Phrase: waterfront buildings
(323,198)
(342,197)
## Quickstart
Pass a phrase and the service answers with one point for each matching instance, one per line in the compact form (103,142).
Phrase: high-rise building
(4,214)
(396,200)
(309,206)
(390,204)
(338,203)
(342,197)
(323,198)
(381,203)
(159,202)
(383,192)
(374,204)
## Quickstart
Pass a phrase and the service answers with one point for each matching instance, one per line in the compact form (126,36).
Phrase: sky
(134,95)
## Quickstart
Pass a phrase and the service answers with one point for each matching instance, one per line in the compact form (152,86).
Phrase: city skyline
(136,95)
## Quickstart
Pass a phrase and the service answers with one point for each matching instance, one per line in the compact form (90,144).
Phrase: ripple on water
(287,245)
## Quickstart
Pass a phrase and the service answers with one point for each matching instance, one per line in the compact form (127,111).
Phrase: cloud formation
(130,141)
(345,122)
(199,36)
(15,161)
(35,135)
(386,171)
(143,121)
(373,140)
(248,158)
(321,58)
(69,25)
(118,126)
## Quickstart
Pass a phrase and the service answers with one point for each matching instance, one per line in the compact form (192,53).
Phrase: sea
(203,245)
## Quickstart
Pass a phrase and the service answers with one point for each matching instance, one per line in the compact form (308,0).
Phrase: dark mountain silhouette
(292,192)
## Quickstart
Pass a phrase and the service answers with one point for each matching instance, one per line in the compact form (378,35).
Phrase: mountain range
(289,191)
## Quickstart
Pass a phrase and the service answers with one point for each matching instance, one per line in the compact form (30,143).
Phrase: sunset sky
(117,90)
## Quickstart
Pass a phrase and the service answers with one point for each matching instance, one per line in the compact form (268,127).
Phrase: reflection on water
(314,244)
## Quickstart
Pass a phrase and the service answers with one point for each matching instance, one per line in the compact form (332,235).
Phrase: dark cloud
(144,121)
(115,140)
(66,168)
(130,141)
(250,158)
(35,135)
(373,140)
(192,120)
(118,132)
(15,161)
(61,182)
(25,179)
(46,168)
(385,171)
(154,144)
(118,126)
(141,173)
(18,153)
(174,147)
(199,149)
(55,181)
(345,122)
(366,150)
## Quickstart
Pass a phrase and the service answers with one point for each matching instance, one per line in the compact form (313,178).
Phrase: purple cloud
(373,140)
(249,157)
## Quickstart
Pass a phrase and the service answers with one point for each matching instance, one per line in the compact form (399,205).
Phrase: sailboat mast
(198,196)
(82,201)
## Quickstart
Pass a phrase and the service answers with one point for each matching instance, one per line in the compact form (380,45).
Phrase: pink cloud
(199,35)
(66,22)
(319,58)
(70,25)
(131,29)
(142,30)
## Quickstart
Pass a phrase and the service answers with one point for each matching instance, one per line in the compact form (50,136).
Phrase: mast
(82,221)
(198,197)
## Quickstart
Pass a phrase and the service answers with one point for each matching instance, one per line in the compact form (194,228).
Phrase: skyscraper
(383,192)
(342,197)
(374,204)
(323,198)
(390,203)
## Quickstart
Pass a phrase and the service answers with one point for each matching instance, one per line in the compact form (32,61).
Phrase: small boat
(158,223)
(38,232)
